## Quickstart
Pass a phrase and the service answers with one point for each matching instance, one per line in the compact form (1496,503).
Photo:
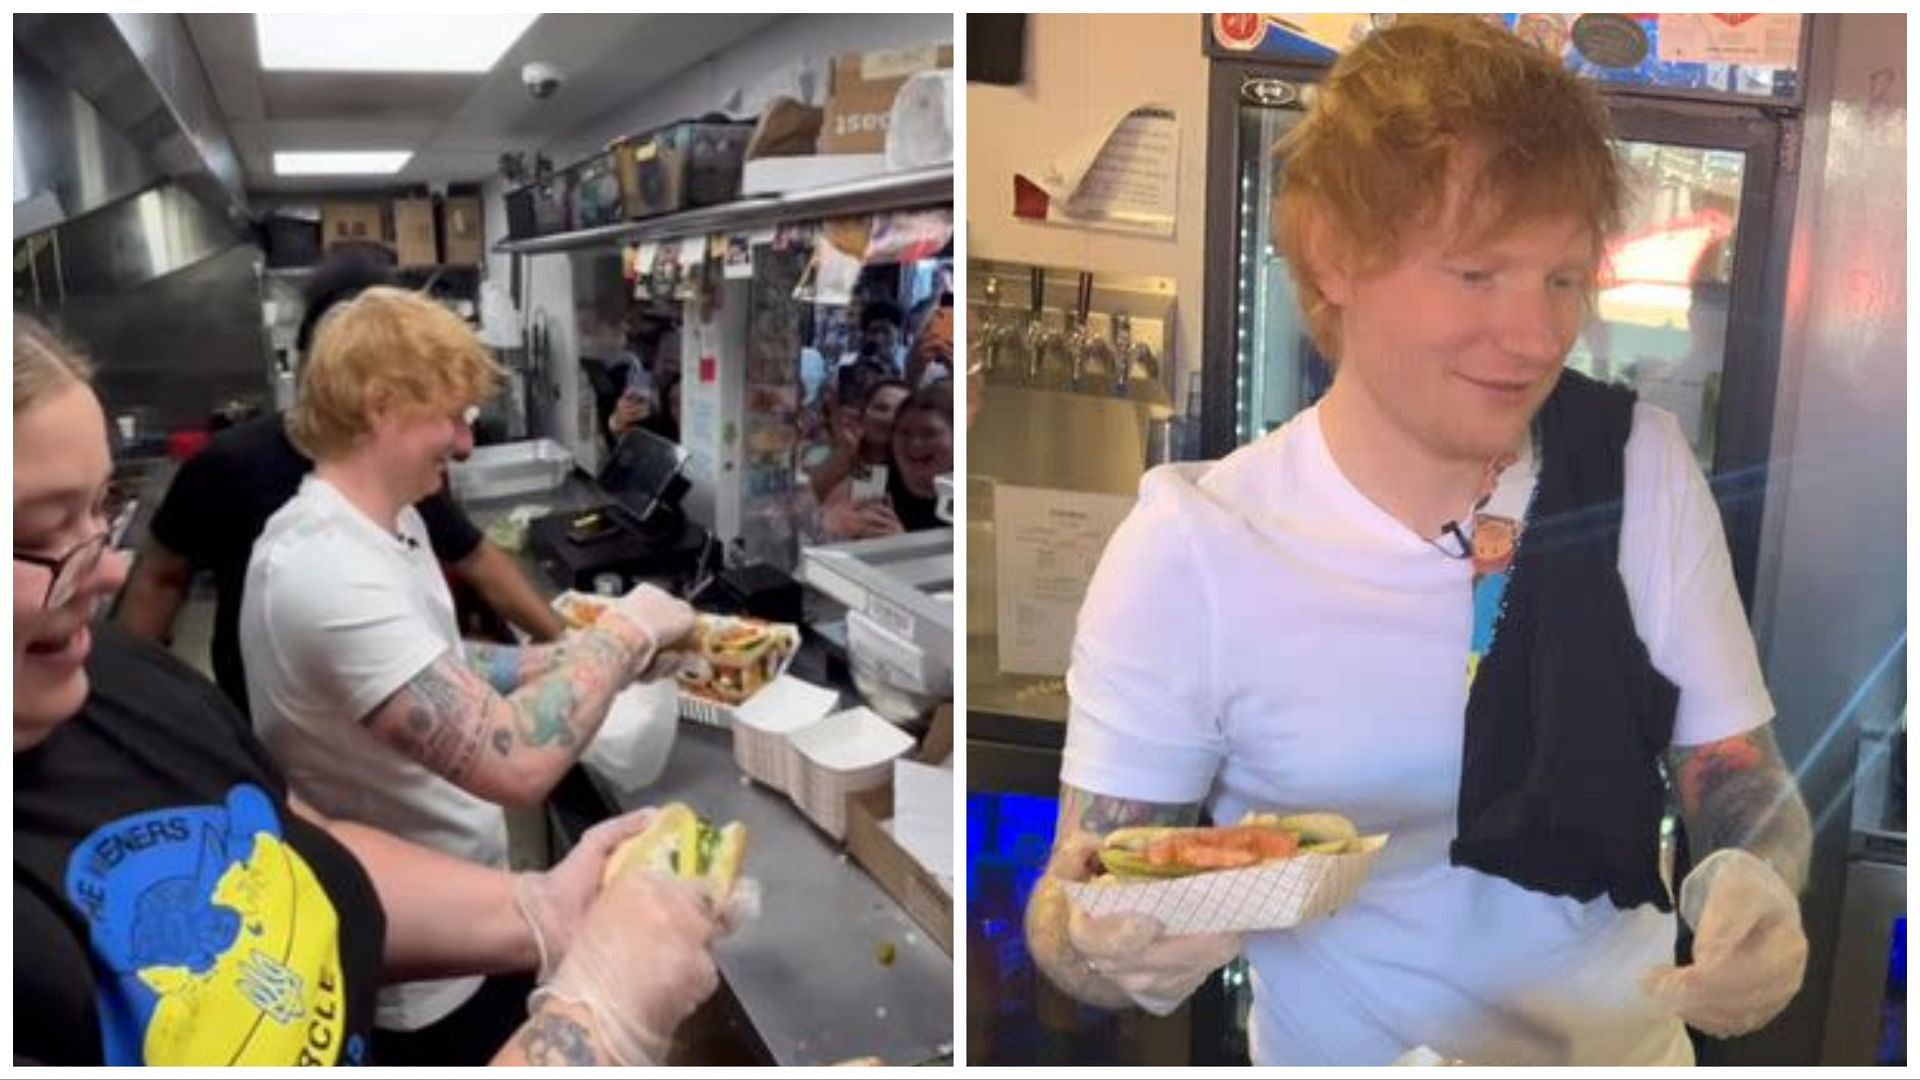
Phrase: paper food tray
(1271,897)
(573,604)
(763,726)
(846,753)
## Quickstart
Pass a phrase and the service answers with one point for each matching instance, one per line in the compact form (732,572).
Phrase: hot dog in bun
(1166,852)
(677,843)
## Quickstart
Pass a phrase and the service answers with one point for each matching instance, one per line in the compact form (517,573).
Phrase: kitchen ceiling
(456,125)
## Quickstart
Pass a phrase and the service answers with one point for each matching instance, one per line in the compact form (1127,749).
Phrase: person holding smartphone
(899,496)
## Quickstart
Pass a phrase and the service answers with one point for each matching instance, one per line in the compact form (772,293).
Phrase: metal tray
(509,469)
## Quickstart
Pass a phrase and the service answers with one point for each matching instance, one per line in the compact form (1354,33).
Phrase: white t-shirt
(1261,636)
(338,615)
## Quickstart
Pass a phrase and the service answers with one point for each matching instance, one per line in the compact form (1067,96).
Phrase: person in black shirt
(221,498)
(174,905)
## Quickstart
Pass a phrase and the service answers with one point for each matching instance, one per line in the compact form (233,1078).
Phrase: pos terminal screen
(642,473)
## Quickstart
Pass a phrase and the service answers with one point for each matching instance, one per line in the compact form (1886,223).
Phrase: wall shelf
(897,191)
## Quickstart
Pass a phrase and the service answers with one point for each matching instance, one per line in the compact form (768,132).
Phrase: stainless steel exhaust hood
(108,105)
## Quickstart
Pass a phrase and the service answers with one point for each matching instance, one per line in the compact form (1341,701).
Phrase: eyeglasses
(65,573)
(69,570)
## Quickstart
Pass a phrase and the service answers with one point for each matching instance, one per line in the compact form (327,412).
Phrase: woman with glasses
(173,904)
(919,450)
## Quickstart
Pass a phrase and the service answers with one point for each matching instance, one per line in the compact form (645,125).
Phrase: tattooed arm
(556,1034)
(511,748)
(1737,792)
(507,668)
(1084,818)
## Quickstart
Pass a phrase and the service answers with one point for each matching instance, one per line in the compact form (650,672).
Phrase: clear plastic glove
(1158,971)
(1749,952)
(639,964)
(555,901)
(665,619)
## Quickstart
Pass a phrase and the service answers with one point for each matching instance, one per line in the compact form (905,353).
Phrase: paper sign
(739,259)
(830,277)
(1124,179)
(1048,542)
(1768,41)
(693,252)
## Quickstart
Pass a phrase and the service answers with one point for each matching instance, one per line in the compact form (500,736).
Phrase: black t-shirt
(168,907)
(219,504)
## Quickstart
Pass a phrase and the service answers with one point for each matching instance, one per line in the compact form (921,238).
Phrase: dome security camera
(541,80)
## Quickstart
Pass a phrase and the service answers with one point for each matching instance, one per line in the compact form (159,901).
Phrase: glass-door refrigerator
(1687,311)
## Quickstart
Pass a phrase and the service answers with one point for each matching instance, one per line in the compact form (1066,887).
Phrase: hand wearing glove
(639,965)
(555,901)
(1158,971)
(663,618)
(1749,952)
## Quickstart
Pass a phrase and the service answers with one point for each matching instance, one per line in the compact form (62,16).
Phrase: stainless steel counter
(833,969)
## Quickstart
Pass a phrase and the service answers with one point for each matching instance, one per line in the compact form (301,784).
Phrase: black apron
(1562,786)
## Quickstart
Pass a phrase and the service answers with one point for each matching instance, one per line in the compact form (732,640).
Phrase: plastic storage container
(539,209)
(680,166)
(597,198)
(509,469)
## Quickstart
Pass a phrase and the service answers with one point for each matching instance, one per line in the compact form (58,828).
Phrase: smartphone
(592,528)
(868,484)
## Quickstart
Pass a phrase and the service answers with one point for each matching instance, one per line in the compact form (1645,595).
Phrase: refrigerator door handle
(1273,93)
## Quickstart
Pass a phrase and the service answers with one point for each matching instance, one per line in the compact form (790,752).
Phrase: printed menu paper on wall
(1125,178)
(1049,542)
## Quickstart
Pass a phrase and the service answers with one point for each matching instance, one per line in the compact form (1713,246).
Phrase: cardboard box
(864,86)
(465,243)
(894,870)
(352,223)
(413,232)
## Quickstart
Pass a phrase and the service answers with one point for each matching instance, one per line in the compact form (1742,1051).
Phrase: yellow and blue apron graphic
(213,941)
(1488,592)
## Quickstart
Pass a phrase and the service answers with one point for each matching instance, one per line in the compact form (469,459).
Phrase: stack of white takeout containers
(788,737)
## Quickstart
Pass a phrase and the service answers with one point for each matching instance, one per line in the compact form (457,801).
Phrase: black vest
(1561,785)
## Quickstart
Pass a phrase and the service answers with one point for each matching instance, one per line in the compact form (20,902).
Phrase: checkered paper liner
(1275,896)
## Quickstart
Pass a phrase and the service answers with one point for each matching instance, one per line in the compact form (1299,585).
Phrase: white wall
(1078,68)
(791,57)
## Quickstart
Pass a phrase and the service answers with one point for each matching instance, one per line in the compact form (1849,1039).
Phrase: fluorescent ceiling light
(340,163)
(427,43)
